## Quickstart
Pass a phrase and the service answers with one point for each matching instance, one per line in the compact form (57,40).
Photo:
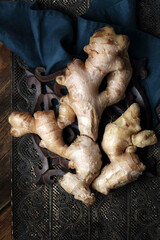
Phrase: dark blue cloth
(51,39)
(39,37)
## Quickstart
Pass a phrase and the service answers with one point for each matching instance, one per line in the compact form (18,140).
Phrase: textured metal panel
(42,212)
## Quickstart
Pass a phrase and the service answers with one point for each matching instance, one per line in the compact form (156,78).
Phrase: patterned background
(42,212)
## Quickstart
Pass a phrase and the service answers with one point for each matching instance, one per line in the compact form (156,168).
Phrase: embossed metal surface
(42,212)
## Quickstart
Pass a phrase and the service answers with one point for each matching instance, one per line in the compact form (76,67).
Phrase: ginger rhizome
(107,60)
(120,141)
(84,154)
(107,57)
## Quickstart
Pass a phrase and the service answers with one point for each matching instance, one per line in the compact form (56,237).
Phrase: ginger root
(107,59)
(120,141)
(107,55)
(43,124)
(84,154)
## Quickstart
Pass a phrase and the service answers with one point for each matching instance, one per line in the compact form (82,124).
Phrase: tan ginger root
(107,55)
(44,124)
(120,141)
(84,154)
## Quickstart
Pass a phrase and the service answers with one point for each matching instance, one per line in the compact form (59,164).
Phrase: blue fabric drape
(51,39)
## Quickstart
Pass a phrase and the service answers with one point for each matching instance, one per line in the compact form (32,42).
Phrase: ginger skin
(120,141)
(107,55)
(84,154)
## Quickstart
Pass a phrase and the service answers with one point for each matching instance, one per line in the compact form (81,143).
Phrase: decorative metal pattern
(71,7)
(148,12)
(43,212)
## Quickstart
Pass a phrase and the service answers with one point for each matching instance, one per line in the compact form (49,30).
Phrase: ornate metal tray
(42,212)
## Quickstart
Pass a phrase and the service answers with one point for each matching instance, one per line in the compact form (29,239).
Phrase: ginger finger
(44,124)
(120,140)
(61,79)
(107,55)
(73,185)
(85,157)
(22,123)
(66,116)
(144,138)
(115,89)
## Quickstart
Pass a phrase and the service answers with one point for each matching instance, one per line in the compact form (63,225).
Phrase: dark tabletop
(5,143)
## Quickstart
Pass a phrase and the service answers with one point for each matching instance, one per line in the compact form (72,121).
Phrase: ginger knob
(120,141)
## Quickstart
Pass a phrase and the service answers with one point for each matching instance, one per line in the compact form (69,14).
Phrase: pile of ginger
(107,59)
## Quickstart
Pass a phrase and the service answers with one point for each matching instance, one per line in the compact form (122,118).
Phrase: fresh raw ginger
(107,57)
(120,141)
(84,154)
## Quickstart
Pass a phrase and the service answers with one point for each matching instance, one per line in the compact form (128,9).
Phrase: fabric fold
(36,35)
(120,12)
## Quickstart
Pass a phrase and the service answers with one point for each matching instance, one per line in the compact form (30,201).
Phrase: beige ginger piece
(120,141)
(84,154)
(44,124)
(107,56)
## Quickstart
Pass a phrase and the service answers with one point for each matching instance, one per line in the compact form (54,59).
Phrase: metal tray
(42,212)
